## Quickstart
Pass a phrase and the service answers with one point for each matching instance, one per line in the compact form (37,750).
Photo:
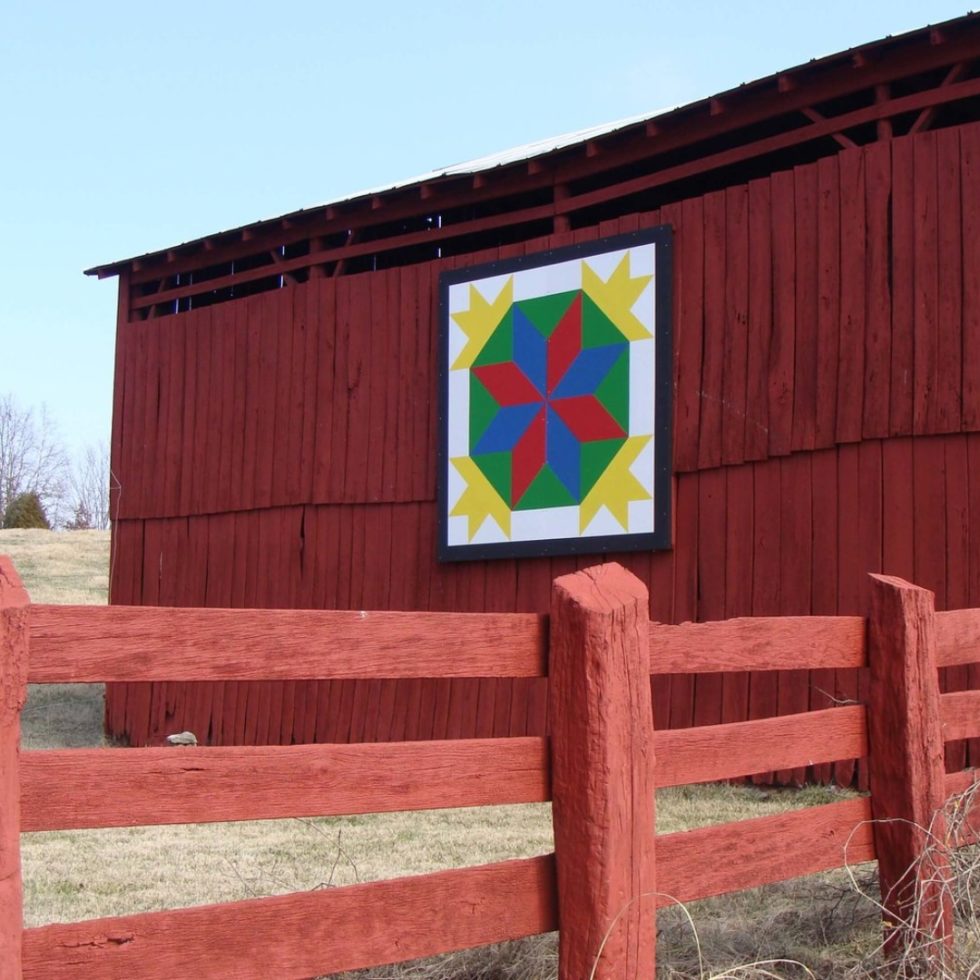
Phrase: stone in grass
(182,738)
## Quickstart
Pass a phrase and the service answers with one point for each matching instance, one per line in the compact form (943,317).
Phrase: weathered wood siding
(279,450)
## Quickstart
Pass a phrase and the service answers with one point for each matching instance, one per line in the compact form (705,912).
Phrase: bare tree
(90,488)
(32,457)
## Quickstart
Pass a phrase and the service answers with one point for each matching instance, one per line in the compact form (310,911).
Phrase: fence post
(13,692)
(907,772)
(602,774)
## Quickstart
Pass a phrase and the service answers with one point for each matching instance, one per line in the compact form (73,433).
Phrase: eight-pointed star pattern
(549,400)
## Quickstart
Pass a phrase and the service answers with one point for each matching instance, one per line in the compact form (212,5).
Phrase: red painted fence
(599,768)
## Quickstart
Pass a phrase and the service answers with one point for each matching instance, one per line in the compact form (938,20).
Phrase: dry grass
(823,921)
(66,567)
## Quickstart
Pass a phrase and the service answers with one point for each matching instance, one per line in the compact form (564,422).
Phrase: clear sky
(128,127)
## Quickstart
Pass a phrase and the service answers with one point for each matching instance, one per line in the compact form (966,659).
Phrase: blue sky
(129,127)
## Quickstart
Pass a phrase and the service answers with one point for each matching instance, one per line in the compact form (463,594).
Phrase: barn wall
(791,535)
(280,450)
(819,306)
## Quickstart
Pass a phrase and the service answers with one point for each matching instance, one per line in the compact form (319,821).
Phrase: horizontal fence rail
(76,644)
(89,788)
(764,643)
(713,752)
(600,752)
(695,864)
(957,637)
(297,935)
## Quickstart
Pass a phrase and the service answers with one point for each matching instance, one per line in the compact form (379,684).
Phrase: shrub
(82,521)
(25,511)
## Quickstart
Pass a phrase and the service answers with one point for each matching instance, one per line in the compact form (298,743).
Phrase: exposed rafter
(848,99)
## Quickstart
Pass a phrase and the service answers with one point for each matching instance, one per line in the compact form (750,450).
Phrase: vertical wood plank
(388,690)
(237,366)
(853,297)
(898,553)
(661,578)
(394,431)
(242,594)
(828,301)
(379,377)
(685,588)
(603,774)
(328,429)
(711,584)
(735,343)
(154,435)
(796,540)
(295,484)
(406,323)
(870,553)
(358,391)
(307,693)
(534,583)
(267,357)
(285,424)
(902,282)
(173,555)
(760,326)
(970,189)
(907,776)
(218,591)
(427,354)
(877,343)
(336,465)
(957,547)
(223,359)
(949,341)
(713,356)
(929,526)
(14,654)
(766,564)
(925,331)
(165,368)
(125,578)
(688,221)
(807,293)
(782,349)
(279,597)
(134,447)
(424,712)
(139,721)
(823,577)
(170,463)
(202,432)
(290,557)
(195,708)
(973,570)
(739,513)
(252,399)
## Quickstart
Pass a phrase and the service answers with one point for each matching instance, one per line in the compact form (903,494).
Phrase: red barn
(275,414)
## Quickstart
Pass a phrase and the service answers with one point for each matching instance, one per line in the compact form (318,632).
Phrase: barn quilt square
(555,402)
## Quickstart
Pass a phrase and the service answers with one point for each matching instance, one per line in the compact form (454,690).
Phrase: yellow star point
(616,487)
(479,500)
(480,320)
(617,296)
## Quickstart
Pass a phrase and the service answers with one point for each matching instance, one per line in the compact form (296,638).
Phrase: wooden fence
(599,768)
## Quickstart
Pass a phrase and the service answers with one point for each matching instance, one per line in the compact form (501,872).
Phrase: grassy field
(819,921)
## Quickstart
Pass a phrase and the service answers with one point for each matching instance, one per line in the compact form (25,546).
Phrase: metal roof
(543,149)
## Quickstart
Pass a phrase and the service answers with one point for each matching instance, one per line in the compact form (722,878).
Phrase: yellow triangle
(617,296)
(480,320)
(616,487)
(479,500)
